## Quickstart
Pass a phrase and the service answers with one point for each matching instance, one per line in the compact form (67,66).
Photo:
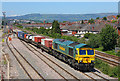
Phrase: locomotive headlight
(80,60)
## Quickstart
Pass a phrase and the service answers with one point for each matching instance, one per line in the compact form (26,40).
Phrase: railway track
(114,63)
(88,75)
(108,55)
(21,64)
(63,68)
(51,61)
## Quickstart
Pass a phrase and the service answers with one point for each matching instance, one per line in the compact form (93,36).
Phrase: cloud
(13,15)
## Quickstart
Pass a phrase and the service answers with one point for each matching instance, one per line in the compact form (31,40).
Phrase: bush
(105,18)
(91,21)
(87,35)
(118,44)
(113,21)
(19,26)
(118,54)
(72,38)
(94,41)
(107,69)
(108,37)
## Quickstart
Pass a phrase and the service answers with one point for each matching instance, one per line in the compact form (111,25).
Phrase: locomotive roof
(70,44)
(81,45)
(62,41)
(74,44)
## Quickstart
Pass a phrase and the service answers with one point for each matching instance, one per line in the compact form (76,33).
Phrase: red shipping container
(25,35)
(38,39)
(48,43)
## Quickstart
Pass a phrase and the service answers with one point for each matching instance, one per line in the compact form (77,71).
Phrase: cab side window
(71,51)
(56,45)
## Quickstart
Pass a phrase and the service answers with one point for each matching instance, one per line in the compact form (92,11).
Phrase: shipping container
(43,41)
(48,43)
(22,35)
(38,38)
(33,37)
(30,38)
(18,33)
(25,36)
(28,35)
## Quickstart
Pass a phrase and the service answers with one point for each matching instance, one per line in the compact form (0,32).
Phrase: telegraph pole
(4,16)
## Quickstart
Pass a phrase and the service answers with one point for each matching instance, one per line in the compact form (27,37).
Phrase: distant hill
(61,17)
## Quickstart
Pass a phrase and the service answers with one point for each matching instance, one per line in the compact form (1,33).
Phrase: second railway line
(28,68)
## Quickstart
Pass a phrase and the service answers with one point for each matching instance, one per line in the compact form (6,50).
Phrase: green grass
(111,52)
(107,69)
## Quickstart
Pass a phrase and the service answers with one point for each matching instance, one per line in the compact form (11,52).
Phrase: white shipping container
(27,37)
(33,38)
(43,41)
(30,37)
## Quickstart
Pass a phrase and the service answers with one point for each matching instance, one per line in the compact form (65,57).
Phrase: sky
(20,7)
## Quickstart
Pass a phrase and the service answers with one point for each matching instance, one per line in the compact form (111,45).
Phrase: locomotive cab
(85,55)
(79,55)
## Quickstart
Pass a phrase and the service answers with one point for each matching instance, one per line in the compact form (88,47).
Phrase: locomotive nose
(86,60)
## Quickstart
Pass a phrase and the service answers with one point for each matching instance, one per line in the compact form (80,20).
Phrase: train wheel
(76,65)
(64,59)
(60,57)
(54,53)
(69,61)
(73,63)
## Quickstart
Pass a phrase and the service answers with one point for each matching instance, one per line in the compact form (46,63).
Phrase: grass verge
(111,52)
(112,71)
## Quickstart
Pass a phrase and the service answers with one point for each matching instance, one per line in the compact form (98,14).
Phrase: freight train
(78,55)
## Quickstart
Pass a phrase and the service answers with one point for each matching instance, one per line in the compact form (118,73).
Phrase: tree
(91,21)
(87,35)
(118,16)
(94,41)
(82,22)
(29,23)
(2,22)
(41,30)
(56,27)
(97,18)
(105,18)
(113,21)
(108,37)
(64,21)
(118,44)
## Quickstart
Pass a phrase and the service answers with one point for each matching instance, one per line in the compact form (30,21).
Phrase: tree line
(108,38)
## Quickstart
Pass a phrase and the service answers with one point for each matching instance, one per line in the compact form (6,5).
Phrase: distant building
(38,25)
(81,29)
(118,28)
